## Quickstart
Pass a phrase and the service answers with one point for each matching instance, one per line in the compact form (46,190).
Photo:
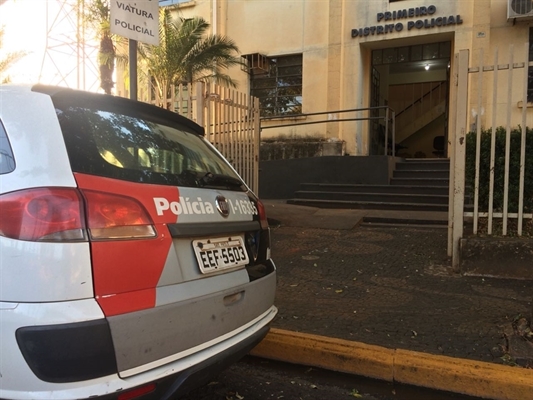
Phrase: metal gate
(230,119)
(491,117)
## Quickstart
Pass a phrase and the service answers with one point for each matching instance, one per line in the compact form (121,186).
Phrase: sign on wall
(393,21)
(135,19)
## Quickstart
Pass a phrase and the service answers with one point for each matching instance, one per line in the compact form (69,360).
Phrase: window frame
(7,159)
(279,88)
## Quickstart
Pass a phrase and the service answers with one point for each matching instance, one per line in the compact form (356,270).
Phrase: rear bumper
(18,382)
(183,382)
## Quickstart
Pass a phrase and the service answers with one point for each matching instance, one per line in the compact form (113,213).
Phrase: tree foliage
(7,59)
(186,54)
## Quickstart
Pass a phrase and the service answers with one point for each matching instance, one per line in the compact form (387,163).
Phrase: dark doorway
(414,82)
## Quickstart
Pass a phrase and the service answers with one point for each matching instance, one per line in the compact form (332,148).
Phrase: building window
(530,71)
(422,52)
(279,85)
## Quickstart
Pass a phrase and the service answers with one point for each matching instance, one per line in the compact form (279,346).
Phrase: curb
(457,375)
(405,221)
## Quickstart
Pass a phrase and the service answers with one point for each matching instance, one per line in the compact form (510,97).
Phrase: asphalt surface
(259,379)
(390,286)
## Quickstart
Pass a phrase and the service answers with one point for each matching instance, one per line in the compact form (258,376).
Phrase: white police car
(134,262)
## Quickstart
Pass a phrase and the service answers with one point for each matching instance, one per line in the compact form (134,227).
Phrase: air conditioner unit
(256,64)
(519,10)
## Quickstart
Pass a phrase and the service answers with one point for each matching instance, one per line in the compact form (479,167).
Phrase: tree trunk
(107,63)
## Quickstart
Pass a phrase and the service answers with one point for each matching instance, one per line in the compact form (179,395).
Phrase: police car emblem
(222,205)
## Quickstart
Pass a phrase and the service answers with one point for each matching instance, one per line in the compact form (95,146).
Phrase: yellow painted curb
(474,378)
(327,353)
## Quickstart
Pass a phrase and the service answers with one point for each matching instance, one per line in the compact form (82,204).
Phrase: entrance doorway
(414,82)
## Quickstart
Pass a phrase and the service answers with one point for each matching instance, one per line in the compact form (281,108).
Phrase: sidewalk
(390,289)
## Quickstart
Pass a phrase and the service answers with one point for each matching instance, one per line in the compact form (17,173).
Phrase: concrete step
(421,173)
(389,189)
(420,181)
(388,198)
(369,205)
(417,185)
(424,165)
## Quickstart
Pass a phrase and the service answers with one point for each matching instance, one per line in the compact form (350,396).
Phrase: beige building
(324,56)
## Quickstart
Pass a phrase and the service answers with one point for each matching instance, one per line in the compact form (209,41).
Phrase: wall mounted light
(427,67)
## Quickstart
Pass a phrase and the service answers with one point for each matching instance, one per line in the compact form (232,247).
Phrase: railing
(421,98)
(230,120)
(389,123)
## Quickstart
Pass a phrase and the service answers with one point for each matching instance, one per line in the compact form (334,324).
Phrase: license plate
(218,254)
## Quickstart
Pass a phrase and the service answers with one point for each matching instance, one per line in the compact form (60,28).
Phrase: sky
(46,31)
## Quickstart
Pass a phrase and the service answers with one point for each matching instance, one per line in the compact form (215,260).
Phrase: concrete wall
(497,257)
(281,150)
(279,179)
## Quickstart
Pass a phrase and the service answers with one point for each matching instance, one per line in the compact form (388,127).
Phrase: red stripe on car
(126,270)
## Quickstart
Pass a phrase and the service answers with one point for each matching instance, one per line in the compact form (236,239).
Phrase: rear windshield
(129,141)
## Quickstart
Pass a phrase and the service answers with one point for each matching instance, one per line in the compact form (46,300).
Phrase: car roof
(64,92)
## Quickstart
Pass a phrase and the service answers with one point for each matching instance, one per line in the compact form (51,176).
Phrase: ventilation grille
(520,10)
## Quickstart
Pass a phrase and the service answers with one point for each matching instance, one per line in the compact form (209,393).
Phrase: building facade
(309,59)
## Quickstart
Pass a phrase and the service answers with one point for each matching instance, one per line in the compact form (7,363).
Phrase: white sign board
(136,19)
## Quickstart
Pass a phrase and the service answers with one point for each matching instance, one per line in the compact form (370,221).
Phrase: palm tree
(7,60)
(185,54)
(97,13)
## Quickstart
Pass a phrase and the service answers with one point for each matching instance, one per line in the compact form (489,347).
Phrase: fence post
(523,144)
(459,147)
(199,102)
(393,133)
(452,102)
(387,132)
(254,102)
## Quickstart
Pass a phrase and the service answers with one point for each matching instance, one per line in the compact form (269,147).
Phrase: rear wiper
(211,179)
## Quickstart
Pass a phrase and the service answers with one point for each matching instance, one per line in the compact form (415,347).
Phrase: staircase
(412,123)
(416,185)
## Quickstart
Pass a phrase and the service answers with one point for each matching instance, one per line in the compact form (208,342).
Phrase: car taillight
(262,214)
(112,216)
(42,214)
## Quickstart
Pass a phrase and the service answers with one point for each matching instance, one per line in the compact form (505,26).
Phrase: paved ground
(390,286)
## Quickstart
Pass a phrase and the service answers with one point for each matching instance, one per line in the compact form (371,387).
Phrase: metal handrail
(388,118)
(420,99)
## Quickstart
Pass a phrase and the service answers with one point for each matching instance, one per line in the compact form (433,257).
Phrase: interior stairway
(416,185)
